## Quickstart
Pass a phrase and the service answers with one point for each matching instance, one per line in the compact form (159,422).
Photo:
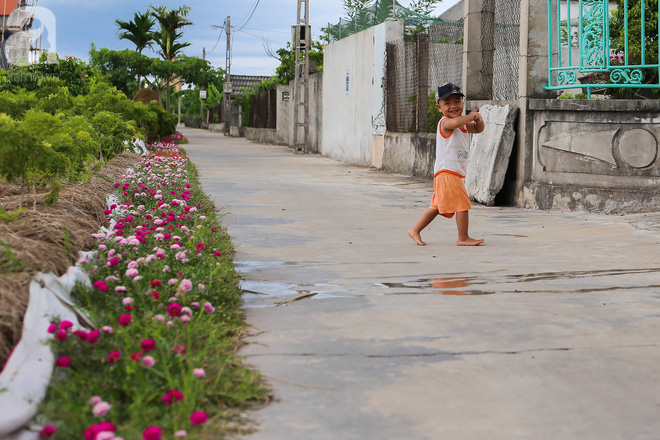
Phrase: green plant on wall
(433,114)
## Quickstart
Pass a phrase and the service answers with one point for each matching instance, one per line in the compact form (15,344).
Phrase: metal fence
(614,52)
(263,110)
(413,72)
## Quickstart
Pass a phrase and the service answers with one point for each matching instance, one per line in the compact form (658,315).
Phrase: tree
(286,71)
(424,7)
(168,39)
(139,32)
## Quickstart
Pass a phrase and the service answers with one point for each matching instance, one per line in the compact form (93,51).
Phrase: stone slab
(490,152)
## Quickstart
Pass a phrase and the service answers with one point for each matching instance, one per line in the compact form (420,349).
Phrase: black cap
(446,90)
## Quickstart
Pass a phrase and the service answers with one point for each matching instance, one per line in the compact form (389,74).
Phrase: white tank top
(451,153)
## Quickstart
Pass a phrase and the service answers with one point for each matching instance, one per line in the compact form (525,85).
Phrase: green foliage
(650,42)
(112,131)
(286,71)
(433,114)
(576,96)
(139,31)
(12,216)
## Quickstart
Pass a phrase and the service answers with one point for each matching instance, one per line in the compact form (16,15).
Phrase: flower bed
(166,306)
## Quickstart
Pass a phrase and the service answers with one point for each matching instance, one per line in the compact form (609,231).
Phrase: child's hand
(476,117)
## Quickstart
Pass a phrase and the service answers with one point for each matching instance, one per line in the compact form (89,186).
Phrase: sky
(256,24)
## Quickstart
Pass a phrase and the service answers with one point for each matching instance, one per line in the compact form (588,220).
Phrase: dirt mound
(47,239)
(145,96)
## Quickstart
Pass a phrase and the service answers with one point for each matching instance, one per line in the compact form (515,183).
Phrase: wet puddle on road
(554,282)
(267,292)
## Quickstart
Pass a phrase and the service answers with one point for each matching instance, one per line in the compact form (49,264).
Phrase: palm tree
(139,32)
(168,39)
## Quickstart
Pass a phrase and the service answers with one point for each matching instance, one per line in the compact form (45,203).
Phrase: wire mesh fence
(501,35)
(415,69)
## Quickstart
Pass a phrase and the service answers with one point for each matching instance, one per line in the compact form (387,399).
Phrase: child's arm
(477,125)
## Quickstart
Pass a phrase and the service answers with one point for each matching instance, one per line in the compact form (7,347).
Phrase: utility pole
(227,86)
(302,43)
(202,95)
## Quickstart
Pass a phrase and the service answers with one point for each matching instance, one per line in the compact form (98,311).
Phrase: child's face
(452,106)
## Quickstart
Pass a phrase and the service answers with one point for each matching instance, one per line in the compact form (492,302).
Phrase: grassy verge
(160,361)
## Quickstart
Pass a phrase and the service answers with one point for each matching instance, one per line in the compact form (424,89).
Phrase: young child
(451,155)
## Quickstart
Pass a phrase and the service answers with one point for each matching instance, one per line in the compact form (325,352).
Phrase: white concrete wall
(353,95)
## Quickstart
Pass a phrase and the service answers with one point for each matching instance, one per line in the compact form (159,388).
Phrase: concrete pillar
(532,74)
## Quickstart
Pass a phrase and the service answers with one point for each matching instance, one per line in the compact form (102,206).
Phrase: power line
(250,17)
(219,36)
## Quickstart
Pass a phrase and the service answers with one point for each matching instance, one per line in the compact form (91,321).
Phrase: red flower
(93,335)
(198,418)
(174,310)
(148,345)
(172,396)
(155,295)
(101,286)
(114,356)
(155,282)
(47,431)
(95,430)
(63,362)
(124,319)
(136,356)
(152,433)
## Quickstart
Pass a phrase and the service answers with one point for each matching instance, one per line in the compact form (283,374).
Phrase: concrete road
(549,330)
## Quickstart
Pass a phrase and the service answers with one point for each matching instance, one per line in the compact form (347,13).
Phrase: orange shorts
(449,194)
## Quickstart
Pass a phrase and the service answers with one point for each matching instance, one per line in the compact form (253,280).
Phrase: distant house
(247,81)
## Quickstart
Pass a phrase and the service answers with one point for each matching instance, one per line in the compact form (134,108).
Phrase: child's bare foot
(416,236)
(469,242)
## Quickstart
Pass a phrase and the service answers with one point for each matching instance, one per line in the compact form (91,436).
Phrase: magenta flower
(65,325)
(114,356)
(152,433)
(61,335)
(93,336)
(198,418)
(148,345)
(47,431)
(101,286)
(172,396)
(136,356)
(52,328)
(93,431)
(174,310)
(124,319)
(113,261)
(63,362)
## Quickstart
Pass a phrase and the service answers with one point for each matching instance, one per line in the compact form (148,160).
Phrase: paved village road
(548,331)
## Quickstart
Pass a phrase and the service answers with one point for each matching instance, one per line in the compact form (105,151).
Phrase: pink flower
(148,345)
(185,286)
(114,356)
(52,328)
(101,286)
(198,418)
(172,396)
(199,372)
(184,319)
(47,431)
(126,301)
(101,409)
(201,287)
(107,329)
(94,400)
(181,433)
(124,319)
(131,273)
(174,310)
(208,307)
(152,433)
(120,289)
(93,431)
(148,361)
(179,349)
(63,362)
